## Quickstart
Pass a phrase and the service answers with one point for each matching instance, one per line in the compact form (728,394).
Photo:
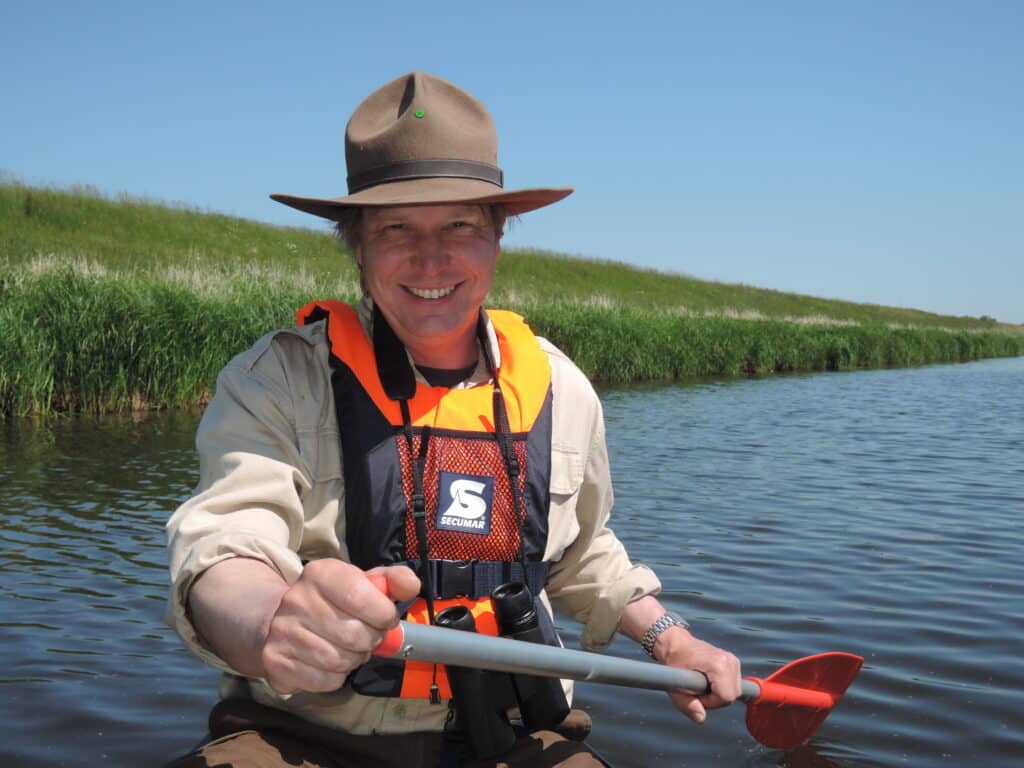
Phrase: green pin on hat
(419,113)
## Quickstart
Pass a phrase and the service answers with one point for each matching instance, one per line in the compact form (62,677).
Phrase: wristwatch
(668,619)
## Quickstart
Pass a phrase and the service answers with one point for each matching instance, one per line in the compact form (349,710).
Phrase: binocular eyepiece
(514,608)
(482,698)
(456,617)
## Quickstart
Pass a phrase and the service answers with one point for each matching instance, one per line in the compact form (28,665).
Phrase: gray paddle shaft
(440,645)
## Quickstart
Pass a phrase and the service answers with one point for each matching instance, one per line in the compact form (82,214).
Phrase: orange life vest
(474,541)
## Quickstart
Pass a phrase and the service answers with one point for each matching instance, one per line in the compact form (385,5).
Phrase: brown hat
(422,140)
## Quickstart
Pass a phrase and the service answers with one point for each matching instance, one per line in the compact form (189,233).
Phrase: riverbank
(123,305)
(77,337)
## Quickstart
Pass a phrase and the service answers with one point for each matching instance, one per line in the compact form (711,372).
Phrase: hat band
(425,169)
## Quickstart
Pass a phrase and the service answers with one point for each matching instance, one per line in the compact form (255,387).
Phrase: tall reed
(75,336)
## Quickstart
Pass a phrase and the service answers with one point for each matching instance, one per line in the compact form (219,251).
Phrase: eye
(391,229)
(463,227)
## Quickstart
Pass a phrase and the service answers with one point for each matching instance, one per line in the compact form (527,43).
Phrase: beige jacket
(271,488)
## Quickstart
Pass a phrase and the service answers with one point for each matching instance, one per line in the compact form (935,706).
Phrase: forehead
(425,213)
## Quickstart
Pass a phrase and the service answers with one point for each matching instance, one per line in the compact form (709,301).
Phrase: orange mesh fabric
(476,455)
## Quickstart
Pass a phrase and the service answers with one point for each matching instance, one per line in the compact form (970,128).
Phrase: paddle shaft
(440,645)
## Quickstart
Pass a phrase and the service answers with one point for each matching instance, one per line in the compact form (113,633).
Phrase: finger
(690,706)
(707,684)
(725,684)
(710,697)
(715,701)
(303,661)
(323,642)
(288,676)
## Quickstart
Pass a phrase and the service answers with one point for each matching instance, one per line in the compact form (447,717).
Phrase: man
(417,442)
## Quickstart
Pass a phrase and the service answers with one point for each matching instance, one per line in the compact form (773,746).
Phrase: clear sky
(869,150)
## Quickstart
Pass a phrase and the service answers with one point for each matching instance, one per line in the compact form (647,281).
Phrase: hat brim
(432,191)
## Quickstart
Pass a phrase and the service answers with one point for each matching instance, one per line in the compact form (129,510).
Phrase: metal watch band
(668,619)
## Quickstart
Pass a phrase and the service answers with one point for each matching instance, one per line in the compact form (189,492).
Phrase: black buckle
(419,504)
(454,578)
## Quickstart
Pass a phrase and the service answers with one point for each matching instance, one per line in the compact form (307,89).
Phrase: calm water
(872,512)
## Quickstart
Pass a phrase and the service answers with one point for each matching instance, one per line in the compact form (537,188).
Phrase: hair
(348,227)
(348,224)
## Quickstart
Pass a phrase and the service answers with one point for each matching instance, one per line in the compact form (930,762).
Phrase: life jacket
(409,449)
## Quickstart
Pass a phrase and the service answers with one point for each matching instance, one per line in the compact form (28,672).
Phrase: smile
(431,293)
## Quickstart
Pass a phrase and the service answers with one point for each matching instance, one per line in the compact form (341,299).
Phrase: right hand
(329,622)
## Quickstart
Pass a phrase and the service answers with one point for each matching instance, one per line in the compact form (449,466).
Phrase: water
(872,512)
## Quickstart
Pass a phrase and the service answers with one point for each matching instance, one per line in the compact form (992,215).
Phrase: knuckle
(290,602)
(359,591)
(326,657)
(353,637)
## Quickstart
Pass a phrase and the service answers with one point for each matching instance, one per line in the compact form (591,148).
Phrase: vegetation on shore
(118,305)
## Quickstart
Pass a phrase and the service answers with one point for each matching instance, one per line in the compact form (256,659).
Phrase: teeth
(431,293)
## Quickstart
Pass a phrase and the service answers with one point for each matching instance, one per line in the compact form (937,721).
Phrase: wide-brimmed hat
(421,140)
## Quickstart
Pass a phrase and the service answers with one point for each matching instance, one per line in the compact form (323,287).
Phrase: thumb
(396,581)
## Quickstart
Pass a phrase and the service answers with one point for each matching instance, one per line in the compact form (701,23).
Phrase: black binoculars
(482,698)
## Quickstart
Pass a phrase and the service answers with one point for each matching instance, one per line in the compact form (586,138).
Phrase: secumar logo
(465,503)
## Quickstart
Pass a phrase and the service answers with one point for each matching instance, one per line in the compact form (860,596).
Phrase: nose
(431,253)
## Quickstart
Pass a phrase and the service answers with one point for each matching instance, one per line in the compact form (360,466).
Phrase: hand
(329,622)
(678,648)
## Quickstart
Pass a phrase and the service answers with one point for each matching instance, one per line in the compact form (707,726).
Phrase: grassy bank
(78,337)
(116,305)
(139,236)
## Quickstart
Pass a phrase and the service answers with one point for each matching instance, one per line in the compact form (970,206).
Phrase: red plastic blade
(797,698)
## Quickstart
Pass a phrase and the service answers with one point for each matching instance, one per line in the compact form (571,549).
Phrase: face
(428,269)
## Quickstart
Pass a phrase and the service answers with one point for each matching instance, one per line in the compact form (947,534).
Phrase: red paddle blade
(797,698)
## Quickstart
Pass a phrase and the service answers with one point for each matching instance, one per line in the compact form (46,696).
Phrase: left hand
(678,648)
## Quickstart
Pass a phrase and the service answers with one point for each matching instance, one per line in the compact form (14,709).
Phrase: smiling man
(415,448)
(429,269)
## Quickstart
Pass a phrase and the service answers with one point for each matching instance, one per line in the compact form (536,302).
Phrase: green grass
(131,234)
(73,339)
(550,276)
(136,235)
(118,305)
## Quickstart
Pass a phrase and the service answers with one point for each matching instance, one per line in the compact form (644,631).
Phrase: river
(875,512)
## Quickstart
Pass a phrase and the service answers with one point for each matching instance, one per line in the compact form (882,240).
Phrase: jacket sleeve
(248,501)
(592,578)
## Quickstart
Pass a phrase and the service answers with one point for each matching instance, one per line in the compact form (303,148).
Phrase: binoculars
(483,698)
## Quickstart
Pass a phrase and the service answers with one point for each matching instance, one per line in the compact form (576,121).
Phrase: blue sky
(871,151)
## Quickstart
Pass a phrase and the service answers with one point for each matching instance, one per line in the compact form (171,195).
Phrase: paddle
(783,710)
